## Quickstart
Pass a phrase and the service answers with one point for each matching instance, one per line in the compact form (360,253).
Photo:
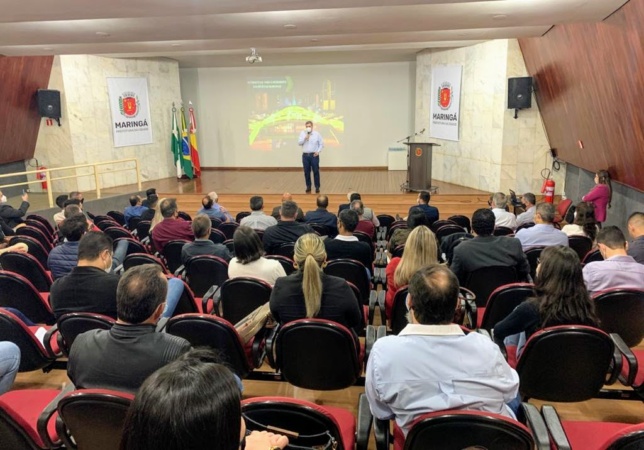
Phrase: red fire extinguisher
(42,176)
(549,189)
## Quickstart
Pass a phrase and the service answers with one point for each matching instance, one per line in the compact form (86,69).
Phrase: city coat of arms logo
(129,104)
(445,95)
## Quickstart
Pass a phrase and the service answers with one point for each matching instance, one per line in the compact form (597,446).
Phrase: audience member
(135,209)
(5,231)
(287,197)
(422,202)
(351,196)
(249,258)
(192,403)
(258,219)
(368,212)
(618,269)
(150,197)
(346,245)
(486,250)
(287,229)
(529,203)
(309,292)
(208,209)
(364,225)
(60,201)
(636,230)
(600,195)
(63,258)
(9,365)
(124,356)
(432,365)
(322,216)
(584,223)
(152,205)
(415,218)
(503,218)
(90,287)
(171,227)
(420,251)
(544,232)
(561,299)
(202,244)
(11,215)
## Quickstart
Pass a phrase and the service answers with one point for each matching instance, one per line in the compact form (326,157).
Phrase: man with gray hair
(258,219)
(287,229)
(503,217)
(543,233)
(364,225)
(529,201)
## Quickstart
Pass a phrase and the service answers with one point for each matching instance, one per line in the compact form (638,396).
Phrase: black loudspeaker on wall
(48,103)
(519,93)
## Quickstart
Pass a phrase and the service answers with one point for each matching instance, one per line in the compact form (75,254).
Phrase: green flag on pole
(176,142)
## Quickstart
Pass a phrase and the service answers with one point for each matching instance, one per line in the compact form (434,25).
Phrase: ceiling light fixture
(499,17)
(102,34)
(290,26)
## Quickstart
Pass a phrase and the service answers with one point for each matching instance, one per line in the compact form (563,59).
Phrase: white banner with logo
(445,102)
(131,124)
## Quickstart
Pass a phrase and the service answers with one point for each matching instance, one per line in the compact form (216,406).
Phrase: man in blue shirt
(423,203)
(312,145)
(134,210)
(543,233)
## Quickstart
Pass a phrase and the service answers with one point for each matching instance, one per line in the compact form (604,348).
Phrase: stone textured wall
(86,136)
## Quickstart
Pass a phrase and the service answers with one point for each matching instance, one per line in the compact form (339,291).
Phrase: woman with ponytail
(310,293)
(600,195)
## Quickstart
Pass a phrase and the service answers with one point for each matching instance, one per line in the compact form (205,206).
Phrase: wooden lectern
(419,165)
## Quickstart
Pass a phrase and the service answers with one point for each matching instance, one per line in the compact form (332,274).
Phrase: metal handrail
(48,179)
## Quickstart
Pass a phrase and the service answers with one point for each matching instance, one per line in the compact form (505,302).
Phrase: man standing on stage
(312,145)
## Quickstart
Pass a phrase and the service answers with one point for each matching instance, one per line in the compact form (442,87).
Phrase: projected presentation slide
(279,106)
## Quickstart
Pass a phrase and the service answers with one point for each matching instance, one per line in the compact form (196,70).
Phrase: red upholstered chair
(184,215)
(70,325)
(240,215)
(187,303)
(398,319)
(47,230)
(448,229)
(33,355)
(133,245)
(35,248)
(532,255)
(142,229)
(29,267)
(301,417)
(502,231)
(482,282)
(439,224)
(137,259)
(286,262)
(286,249)
(621,311)
(320,229)
(502,302)
(33,232)
(462,221)
(20,426)
(228,228)
(394,226)
(92,418)
(44,222)
(172,254)
(217,333)
(592,256)
(581,245)
(107,223)
(460,429)
(525,225)
(117,216)
(355,273)
(562,210)
(240,296)
(398,251)
(17,292)
(386,220)
(217,236)
(117,232)
(202,272)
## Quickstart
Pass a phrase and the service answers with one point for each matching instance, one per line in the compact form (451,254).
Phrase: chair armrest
(381,304)
(381,331)
(46,415)
(163,321)
(554,427)
(119,269)
(623,351)
(270,346)
(212,294)
(381,433)
(373,300)
(52,333)
(370,338)
(180,272)
(535,422)
(258,349)
(365,419)
(145,240)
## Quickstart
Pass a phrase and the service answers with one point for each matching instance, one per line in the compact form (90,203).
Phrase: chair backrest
(629,438)
(187,303)
(43,221)
(398,251)
(33,355)
(105,224)
(287,263)
(386,220)
(240,215)
(137,259)
(502,302)
(621,311)
(214,223)
(502,231)
(35,248)
(448,229)
(300,416)
(352,271)
(27,266)
(399,311)
(117,216)
(317,354)
(143,229)
(102,218)
(562,209)
(133,246)
(228,228)
(172,253)
(42,227)
(440,223)
(320,229)
(184,215)
(17,292)
(565,363)
(72,324)
(460,429)
(592,256)
(532,255)
(38,235)
(230,245)
(485,280)
(581,245)
(203,330)
(241,296)
(394,226)
(525,225)
(286,249)
(16,430)
(204,271)
(117,232)
(134,221)
(462,221)
(217,236)
(93,417)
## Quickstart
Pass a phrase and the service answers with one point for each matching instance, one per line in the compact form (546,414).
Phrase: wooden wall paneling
(20,78)
(589,81)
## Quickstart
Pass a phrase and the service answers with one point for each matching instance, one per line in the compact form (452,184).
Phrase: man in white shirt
(503,217)
(530,202)
(258,219)
(432,365)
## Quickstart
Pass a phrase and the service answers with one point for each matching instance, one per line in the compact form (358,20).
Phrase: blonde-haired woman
(310,293)
(421,250)
(157,214)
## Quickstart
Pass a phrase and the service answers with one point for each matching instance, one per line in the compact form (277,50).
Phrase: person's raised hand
(265,440)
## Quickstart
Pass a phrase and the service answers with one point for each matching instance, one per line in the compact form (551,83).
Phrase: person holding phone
(312,145)
(13,216)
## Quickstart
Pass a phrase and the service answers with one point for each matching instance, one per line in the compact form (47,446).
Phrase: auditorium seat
(137,259)
(36,234)
(19,293)
(117,232)
(28,266)
(35,248)
(502,231)
(286,262)
(117,216)
(502,302)
(228,228)
(172,254)
(446,230)
(581,245)
(398,319)
(621,311)
(532,255)
(217,236)
(70,325)
(462,221)
(238,297)
(43,221)
(202,272)
(33,355)
(485,280)
(355,272)
(441,223)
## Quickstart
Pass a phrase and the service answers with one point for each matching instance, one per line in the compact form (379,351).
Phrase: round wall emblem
(419,151)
